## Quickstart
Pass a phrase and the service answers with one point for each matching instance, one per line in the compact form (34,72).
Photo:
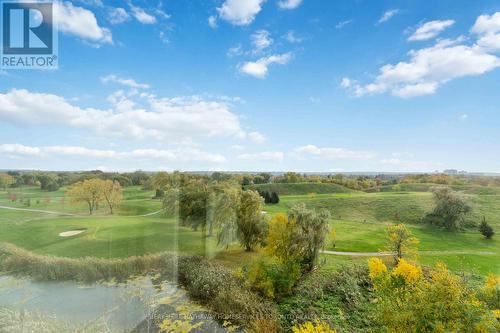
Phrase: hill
(301,188)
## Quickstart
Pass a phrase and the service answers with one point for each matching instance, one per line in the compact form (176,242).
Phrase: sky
(256,85)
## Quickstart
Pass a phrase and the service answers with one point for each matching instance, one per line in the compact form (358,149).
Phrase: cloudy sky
(302,85)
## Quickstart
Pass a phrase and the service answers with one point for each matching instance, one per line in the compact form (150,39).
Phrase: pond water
(107,307)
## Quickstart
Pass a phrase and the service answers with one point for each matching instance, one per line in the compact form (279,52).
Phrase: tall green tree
(251,225)
(313,228)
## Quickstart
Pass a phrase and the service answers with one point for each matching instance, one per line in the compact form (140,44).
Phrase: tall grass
(17,261)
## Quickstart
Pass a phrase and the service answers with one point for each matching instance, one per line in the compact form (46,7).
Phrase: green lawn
(359,219)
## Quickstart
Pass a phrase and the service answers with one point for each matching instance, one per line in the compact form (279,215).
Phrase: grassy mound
(427,187)
(301,188)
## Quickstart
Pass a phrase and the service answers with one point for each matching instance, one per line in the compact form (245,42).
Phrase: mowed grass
(358,218)
(360,221)
(124,234)
(106,237)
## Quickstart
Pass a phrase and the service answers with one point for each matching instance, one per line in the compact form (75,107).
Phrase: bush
(219,289)
(271,278)
(340,298)
(486,230)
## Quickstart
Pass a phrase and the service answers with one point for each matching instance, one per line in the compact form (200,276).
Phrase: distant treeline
(52,181)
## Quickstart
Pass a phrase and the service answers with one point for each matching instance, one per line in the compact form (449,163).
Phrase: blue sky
(261,85)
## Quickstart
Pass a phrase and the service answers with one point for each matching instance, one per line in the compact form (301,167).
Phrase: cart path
(68,214)
(385,254)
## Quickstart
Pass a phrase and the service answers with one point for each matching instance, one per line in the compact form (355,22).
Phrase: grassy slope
(359,219)
(301,188)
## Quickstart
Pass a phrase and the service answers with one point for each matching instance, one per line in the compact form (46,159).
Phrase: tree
(274,198)
(282,239)
(251,227)
(400,241)
(222,214)
(112,193)
(450,209)
(48,182)
(485,229)
(313,227)
(89,191)
(6,180)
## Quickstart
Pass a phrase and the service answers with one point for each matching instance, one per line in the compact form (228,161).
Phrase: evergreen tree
(485,229)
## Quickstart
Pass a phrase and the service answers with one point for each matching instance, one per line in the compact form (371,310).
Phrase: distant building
(451,171)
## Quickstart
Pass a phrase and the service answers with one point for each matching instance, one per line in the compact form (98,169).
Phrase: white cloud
(173,119)
(487,27)
(80,22)
(332,153)
(124,82)
(289,4)
(256,137)
(428,69)
(259,68)
(164,155)
(463,116)
(235,51)
(292,38)
(346,83)
(212,22)
(240,12)
(274,156)
(141,15)
(117,15)
(342,24)
(261,40)
(430,30)
(388,15)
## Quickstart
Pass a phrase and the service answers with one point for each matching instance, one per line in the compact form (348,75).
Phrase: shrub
(340,298)
(313,327)
(486,230)
(271,278)
(411,302)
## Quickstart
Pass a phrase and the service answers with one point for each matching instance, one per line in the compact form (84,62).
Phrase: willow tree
(250,222)
(313,228)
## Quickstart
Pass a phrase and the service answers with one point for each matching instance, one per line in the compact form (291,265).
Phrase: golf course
(140,226)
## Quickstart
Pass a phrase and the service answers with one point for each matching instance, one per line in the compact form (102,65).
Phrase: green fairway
(358,218)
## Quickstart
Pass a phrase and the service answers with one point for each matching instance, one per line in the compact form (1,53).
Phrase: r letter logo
(29,37)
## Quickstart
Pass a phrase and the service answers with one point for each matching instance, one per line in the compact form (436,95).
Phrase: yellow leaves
(313,327)
(178,326)
(377,268)
(410,273)
(496,313)
(280,237)
(492,282)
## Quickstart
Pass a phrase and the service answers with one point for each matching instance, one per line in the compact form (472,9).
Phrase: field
(138,227)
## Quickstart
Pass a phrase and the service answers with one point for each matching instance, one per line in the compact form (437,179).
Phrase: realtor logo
(29,36)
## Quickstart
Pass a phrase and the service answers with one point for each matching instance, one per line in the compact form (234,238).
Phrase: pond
(138,305)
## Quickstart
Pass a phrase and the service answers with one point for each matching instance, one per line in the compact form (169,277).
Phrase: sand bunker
(71,233)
